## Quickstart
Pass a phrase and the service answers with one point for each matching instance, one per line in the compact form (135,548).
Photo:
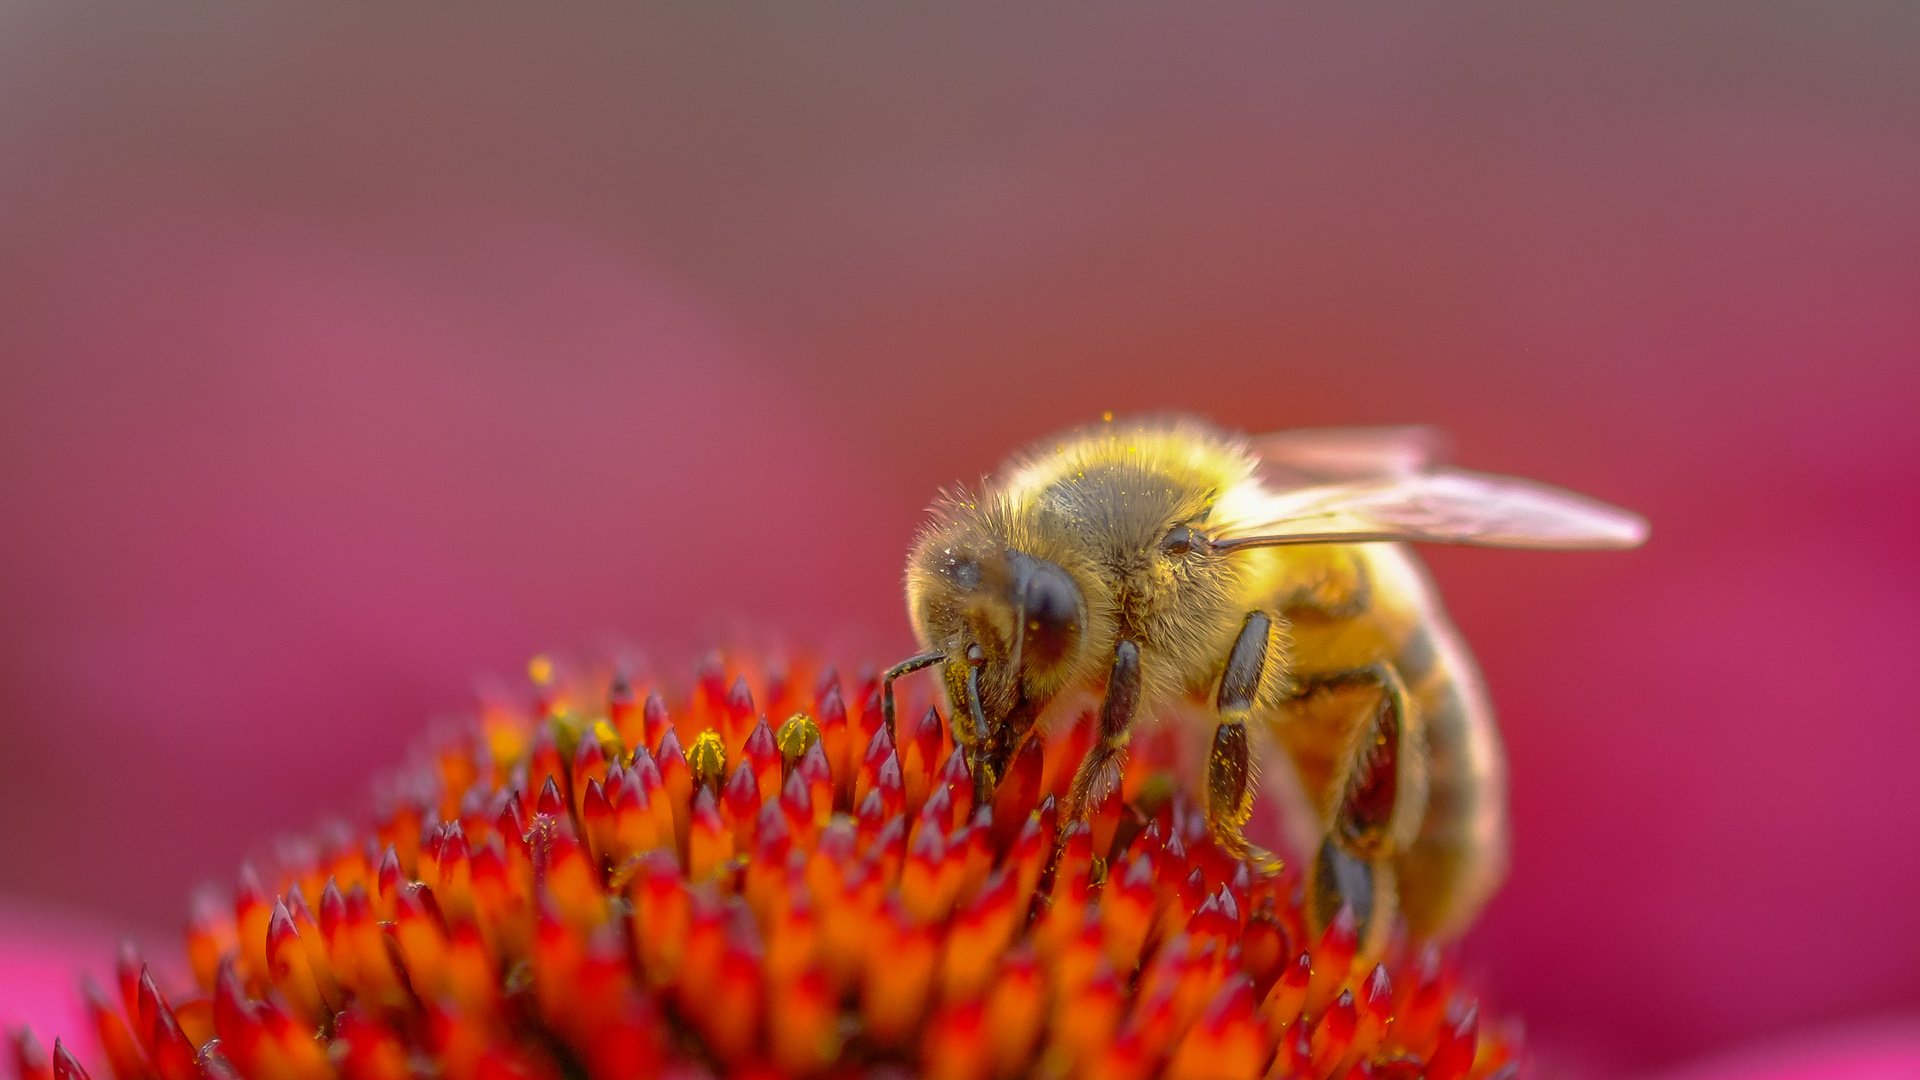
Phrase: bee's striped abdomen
(1460,853)
(1372,604)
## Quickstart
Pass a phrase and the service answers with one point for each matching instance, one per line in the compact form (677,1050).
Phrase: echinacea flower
(760,880)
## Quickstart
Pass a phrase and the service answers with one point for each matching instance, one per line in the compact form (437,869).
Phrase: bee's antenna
(905,667)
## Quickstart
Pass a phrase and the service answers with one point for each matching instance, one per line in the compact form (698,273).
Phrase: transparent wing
(1442,506)
(1310,455)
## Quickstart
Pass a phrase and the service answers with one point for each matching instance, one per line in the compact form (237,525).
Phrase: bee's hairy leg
(1365,887)
(905,667)
(963,689)
(1379,797)
(1099,771)
(1230,761)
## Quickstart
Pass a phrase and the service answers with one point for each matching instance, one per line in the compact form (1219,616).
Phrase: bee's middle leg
(1099,771)
(1229,762)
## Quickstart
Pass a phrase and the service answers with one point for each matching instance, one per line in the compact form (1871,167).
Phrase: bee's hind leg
(1230,761)
(1379,797)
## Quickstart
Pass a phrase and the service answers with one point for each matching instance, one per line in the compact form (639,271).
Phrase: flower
(760,880)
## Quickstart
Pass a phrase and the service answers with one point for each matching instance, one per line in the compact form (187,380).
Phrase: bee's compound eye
(1051,615)
(1183,540)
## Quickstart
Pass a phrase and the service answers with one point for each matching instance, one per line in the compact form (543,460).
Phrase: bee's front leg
(1230,761)
(1099,771)
(1379,794)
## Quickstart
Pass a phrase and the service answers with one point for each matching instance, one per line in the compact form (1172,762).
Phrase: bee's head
(1010,628)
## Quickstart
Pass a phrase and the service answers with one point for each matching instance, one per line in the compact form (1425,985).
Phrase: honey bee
(1264,583)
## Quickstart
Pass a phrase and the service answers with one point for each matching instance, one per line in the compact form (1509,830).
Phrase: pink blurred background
(344,360)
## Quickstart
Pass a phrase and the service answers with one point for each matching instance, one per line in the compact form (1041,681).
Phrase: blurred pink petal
(42,959)
(1882,1051)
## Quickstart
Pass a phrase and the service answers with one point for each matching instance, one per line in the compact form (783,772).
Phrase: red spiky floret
(754,880)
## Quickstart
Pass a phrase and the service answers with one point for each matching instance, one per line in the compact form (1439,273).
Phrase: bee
(1264,584)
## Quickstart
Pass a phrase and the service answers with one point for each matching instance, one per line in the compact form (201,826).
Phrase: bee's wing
(1306,455)
(1441,506)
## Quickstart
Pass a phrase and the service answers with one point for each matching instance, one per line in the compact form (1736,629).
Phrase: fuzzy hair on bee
(1164,564)
(1098,506)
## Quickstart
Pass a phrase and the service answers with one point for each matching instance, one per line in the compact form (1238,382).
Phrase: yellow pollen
(707,758)
(796,736)
(608,738)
